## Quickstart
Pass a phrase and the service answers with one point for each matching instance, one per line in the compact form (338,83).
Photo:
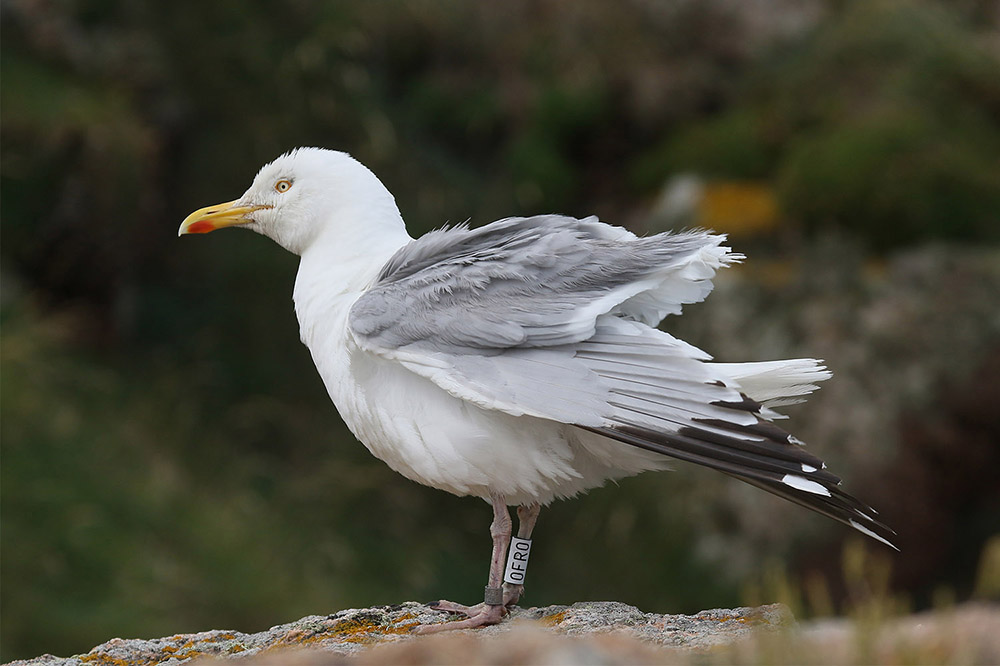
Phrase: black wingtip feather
(768,472)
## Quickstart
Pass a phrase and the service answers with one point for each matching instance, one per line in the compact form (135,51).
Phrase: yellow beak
(215,217)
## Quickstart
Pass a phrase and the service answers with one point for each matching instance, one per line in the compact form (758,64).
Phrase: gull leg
(493,609)
(527,514)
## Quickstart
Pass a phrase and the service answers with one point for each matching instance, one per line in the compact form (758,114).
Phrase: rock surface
(597,633)
(336,638)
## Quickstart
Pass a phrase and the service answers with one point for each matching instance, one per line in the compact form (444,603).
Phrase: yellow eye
(283,186)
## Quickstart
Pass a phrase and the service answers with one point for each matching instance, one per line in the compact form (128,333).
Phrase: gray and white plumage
(520,359)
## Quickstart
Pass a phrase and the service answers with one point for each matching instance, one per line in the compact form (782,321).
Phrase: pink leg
(483,614)
(527,514)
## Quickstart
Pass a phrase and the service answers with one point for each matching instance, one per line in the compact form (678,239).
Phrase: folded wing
(531,282)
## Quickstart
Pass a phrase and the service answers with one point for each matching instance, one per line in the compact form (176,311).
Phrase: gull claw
(479,615)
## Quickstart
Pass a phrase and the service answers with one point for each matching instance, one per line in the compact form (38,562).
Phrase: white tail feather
(776,383)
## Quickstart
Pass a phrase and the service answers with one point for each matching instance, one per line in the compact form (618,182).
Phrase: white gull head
(305,195)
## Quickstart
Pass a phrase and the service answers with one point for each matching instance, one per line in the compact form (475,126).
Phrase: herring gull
(520,361)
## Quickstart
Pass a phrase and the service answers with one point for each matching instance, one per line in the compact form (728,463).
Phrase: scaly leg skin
(527,514)
(483,614)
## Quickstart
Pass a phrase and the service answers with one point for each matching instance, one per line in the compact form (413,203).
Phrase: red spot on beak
(201,227)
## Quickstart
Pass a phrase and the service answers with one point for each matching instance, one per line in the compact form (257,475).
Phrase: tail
(776,383)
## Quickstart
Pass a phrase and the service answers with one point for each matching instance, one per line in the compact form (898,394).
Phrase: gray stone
(354,631)
(586,633)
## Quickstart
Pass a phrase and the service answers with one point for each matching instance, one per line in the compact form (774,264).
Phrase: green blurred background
(170,461)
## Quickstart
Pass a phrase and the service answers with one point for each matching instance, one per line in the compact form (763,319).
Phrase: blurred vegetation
(170,460)
(882,122)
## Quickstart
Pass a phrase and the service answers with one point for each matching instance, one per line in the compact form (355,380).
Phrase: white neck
(339,265)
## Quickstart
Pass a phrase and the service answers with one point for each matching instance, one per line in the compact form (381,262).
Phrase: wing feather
(822,496)
(530,282)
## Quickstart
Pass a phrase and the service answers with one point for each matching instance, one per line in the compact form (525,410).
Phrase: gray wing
(530,282)
(552,317)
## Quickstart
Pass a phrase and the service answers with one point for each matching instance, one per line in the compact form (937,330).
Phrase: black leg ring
(493,596)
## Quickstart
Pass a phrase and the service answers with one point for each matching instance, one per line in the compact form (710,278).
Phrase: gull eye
(282,186)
